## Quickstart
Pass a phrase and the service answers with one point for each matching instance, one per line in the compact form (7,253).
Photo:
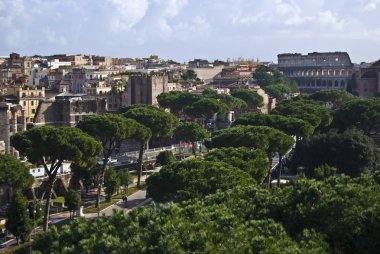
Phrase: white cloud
(128,13)
(331,20)
(171,8)
(183,28)
(371,5)
(55,38)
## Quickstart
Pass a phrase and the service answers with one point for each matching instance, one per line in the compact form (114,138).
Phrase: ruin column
(4,123)
(23,119)
(14,131)
(14,121)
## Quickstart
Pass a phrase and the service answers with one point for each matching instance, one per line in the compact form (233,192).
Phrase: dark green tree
(266,76)
(110,130)
(125,178)
(18,221)
(232,102)
(49,146)
(313,112)
(336,97)
(238,136)
(72,201)
(208,92)
(271,140)
(324,171)
(351,152)
(165,158)
(290,125)
(254,162)
(191,132)
(167,100)
(277,91)
(194,178)
(177,101)
(170,101)
(88,176)
(160,123)
(142,135)
(206,108)
(253,100)
(111,183)
(363,114)
(189,75)
(14,174)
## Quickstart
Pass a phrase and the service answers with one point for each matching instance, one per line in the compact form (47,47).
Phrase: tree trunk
(194,149)
(100,184)
(139,165)
(270,168)
(48,199)
(279,169)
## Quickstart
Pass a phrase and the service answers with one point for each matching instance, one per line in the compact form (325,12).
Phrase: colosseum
(317,71)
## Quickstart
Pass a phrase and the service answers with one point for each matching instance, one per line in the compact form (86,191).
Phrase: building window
(23,95)
(32,103)
(33,111)
(24,103)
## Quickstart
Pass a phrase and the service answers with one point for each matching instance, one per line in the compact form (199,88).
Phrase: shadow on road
(131,204)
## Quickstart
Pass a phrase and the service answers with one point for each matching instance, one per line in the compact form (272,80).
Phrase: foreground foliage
(338,215)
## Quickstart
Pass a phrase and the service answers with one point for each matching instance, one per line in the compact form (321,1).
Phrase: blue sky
(187,29)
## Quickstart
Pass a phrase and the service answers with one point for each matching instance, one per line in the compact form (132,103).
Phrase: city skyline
(183,30)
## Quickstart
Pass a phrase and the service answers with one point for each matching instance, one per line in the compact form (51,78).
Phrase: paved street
(136,199)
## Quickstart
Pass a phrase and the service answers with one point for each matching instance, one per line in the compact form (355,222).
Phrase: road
(135,200)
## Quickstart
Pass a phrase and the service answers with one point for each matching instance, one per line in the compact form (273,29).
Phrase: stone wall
(368,82)
(67,112)
(144,89)
(207,74)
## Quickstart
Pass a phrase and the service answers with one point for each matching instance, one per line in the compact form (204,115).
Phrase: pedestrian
(123,198)
(126,199)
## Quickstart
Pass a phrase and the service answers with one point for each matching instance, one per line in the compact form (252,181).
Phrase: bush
(324,171)
(165,158)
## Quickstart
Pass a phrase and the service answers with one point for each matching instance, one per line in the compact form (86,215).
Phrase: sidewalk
(134,200)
